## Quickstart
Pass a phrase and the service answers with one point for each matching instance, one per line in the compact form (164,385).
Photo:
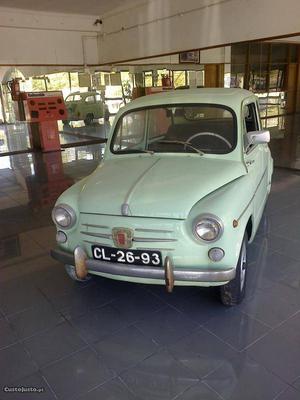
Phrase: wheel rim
(243,263)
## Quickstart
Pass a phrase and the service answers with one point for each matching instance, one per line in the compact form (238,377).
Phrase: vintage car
(178,196)
(86,106)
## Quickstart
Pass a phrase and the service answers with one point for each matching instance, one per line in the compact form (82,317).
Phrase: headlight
(208,228)
(64,216)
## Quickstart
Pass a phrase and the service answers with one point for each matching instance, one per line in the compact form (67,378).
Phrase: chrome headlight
(208,228)
(64,216)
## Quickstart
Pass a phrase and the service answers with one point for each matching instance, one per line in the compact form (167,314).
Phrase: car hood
(152,186)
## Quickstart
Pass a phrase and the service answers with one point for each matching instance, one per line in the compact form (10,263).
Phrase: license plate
(124,256)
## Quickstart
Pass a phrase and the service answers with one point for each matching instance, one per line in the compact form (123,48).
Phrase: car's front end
(154,210)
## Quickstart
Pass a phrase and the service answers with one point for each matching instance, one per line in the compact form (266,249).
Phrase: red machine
(42,111)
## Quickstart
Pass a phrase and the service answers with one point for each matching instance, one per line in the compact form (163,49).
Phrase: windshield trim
(216,105)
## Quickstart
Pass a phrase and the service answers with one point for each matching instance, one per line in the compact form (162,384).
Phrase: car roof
(223,96)
(84,94)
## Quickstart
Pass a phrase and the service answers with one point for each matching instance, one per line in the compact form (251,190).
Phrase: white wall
(39,38)
(165,26)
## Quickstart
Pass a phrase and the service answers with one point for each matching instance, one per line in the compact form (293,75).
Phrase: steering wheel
(209,134)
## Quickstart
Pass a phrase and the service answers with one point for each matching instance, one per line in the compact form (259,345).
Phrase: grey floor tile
(199,392)
(76,375)
(262,305)
(243,378)
(80,302)
(19,295)
(296,383)
(166,325)
(111,390)
(201,352)
(54,344)
(285,246)
(7,335)
(237,329)
(35,382)
(289,394)
(137,305)
(279,351)
(159,377)
(290,231)
(276,267)
(99,323)
(125,348)
(34,320)
(201,306)
(15,364)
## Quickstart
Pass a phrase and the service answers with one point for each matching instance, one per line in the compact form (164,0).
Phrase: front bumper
(83,265)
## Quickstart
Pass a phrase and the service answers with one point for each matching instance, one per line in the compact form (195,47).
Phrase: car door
(256,160)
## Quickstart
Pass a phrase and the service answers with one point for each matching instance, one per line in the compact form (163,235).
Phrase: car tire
(72,274)
(234,291)
(88,119)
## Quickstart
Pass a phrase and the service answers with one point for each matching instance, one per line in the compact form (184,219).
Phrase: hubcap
(243,266)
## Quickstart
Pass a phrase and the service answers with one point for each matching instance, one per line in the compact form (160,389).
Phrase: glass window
(179,78)
(69,98)
(148,79)
(77,97)
(90,99)
(176,129)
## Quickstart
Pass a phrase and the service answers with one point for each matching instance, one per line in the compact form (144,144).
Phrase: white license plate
(124,256)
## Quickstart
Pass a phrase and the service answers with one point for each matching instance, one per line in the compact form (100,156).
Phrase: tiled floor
(111,340)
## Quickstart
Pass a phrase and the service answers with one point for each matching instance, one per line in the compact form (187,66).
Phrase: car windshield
(197,128)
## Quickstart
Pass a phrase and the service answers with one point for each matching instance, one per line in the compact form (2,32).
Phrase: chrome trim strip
(153,230)
(130,270)
(139,239)
(238,219)
(134,185)
(133,216)
(101,235)
(156,249)
(96,226)
(98,243)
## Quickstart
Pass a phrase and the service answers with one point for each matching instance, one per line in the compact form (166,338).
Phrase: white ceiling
(83,7)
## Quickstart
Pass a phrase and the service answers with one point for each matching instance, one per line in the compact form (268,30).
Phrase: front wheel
(234,291)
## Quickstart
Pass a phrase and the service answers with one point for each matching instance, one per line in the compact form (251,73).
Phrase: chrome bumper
(168,273)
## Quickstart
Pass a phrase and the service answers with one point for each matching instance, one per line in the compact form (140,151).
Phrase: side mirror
(258,137)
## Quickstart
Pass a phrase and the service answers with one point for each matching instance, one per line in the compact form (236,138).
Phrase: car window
(98,97)
(250,122)
(177,128)
(130,132)
(69,98)
(90,99)
(77,97)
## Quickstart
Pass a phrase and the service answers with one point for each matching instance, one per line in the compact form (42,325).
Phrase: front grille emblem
(122,237)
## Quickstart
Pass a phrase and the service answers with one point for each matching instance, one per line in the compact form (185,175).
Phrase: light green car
(178,196)
(86,106)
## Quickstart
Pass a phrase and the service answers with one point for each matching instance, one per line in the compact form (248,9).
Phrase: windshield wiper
(188,144)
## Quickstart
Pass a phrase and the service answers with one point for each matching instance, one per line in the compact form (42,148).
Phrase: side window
(250,122)
(90,99)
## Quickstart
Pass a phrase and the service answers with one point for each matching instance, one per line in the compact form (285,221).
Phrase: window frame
(174,105)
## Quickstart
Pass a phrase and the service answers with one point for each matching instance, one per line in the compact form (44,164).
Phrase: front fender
(231,205)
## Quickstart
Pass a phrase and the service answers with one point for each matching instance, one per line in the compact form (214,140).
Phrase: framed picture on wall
(191,57)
